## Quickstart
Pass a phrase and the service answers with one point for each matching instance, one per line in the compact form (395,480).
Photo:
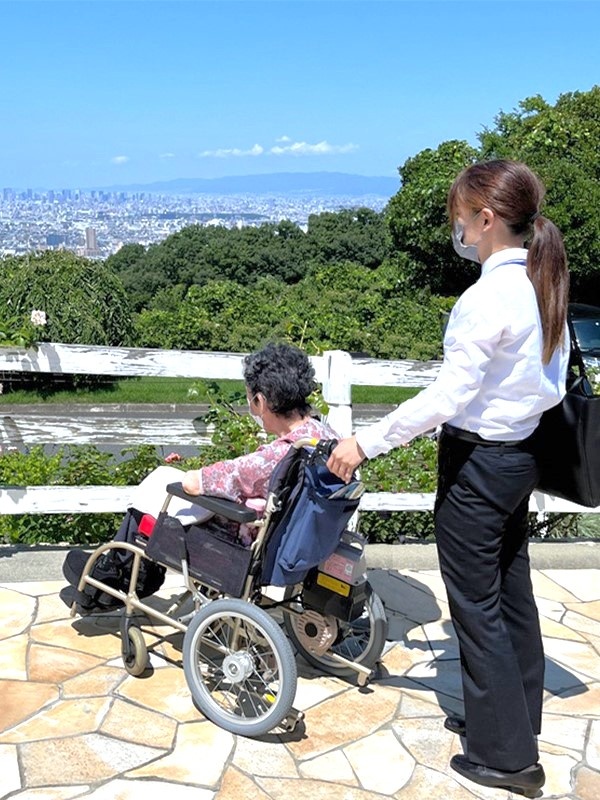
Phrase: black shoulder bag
(568,439)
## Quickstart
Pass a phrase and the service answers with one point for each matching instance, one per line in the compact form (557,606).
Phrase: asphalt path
(113,426)
(23,563)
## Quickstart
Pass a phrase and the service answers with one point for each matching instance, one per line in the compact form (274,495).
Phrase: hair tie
(534,216)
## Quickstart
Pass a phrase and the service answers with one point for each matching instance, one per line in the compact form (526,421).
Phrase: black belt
(475,438)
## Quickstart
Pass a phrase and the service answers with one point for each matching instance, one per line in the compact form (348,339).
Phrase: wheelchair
(250,604)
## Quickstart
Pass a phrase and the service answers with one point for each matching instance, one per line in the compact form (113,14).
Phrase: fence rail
(335,370)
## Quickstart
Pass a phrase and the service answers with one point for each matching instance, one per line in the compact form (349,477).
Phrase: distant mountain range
(287,183)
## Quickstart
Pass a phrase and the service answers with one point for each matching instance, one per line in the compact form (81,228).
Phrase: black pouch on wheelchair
(338,586)
(330,596)
(212,554)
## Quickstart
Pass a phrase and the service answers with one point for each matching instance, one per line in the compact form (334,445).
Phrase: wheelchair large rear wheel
(239,667)
(361,640)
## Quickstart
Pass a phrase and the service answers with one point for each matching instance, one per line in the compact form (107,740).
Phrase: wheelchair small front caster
(133,649)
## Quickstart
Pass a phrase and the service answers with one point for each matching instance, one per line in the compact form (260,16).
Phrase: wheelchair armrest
(227,508)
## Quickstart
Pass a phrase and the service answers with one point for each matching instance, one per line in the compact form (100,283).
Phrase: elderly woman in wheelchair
(235,529)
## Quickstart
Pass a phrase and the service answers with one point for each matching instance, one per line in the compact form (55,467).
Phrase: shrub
(69,466)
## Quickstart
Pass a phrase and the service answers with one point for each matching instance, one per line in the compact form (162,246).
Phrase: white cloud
(305,149)
(120,159)
(284,147)
(167,155)
(233,152)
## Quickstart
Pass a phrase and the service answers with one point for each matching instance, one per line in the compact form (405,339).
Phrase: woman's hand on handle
(345,458)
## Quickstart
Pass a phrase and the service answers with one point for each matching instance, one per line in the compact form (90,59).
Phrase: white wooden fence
(335,370)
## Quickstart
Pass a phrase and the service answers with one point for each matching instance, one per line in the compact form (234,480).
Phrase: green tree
(351,307)
(126,258)
(337,306)
(130,264)
(560,143)
(358,235)
(200,254)
(84,301)
(418,221)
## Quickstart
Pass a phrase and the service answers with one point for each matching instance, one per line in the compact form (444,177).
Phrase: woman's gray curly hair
(284,375)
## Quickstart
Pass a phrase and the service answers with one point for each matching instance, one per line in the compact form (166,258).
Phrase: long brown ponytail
(547,270)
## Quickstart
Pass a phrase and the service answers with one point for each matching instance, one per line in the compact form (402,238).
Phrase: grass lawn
(175,390)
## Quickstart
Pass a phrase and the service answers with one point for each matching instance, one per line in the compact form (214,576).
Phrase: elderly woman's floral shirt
(248,476)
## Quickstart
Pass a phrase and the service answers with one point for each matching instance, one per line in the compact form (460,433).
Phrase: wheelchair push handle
(322,448)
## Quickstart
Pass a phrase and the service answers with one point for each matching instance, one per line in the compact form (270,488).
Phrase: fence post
(337,390)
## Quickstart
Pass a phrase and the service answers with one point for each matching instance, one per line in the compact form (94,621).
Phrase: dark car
(586,324)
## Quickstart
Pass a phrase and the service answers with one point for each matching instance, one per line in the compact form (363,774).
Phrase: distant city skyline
(99,94)
(97,224)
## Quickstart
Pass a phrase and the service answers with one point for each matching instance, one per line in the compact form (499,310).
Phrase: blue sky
(96,93)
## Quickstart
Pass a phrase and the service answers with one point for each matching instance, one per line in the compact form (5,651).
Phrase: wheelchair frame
(238,663)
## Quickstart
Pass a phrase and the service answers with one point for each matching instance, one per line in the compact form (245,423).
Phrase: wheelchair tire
(361,640)
(239,667)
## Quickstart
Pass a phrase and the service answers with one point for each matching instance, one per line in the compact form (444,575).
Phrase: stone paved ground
(74,724)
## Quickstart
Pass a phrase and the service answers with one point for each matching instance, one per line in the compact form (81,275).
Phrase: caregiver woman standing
(505,362)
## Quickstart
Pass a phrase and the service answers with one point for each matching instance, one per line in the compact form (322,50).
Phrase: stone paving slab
(74,723)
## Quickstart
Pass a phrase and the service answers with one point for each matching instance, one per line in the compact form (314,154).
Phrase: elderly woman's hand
(191,481)
(345,458)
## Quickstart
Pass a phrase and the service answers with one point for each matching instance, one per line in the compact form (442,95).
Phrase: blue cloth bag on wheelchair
(309,526)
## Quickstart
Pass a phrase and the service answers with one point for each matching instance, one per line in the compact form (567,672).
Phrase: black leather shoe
(73,565)
(526,781)
(88,605)
(455,725)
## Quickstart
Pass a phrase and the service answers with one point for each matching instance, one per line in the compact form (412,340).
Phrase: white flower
(38,318)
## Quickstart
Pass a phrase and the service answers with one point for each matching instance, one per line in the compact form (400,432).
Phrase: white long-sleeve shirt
(492,380)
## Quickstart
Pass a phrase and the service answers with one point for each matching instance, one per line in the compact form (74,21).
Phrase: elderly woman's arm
(239,478)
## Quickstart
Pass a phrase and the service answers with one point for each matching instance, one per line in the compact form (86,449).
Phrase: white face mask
(255,417)
(463,250)
(258,420)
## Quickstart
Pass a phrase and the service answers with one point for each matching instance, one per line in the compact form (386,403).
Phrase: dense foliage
(281,251)
(69,466)
(418,221)
(338,306)
(560,143)
(84,301)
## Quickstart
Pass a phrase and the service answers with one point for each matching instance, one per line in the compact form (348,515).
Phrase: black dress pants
(481,534)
